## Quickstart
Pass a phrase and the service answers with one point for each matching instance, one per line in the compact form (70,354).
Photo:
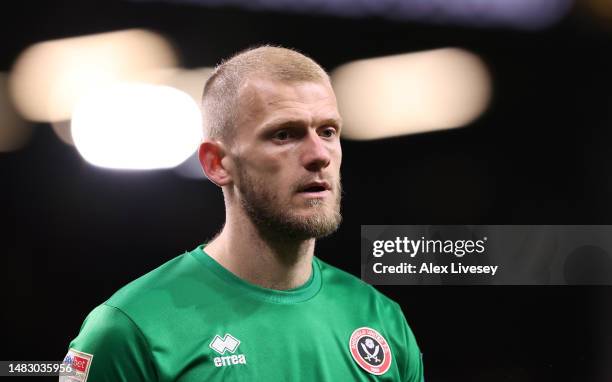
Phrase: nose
(315,154)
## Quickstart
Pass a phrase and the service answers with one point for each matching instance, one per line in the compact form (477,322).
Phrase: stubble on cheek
(272,210)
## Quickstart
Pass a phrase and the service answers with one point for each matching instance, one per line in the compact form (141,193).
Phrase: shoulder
(171,288)
(349,287)
(111,347)
(163,279)
(107,326)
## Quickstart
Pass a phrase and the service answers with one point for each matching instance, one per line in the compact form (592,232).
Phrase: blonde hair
(220,96)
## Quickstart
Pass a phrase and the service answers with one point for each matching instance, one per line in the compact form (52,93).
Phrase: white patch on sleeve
(80,363)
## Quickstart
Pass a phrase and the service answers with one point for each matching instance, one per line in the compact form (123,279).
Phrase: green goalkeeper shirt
(192,320)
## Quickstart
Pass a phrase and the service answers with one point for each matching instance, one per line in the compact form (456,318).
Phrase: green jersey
(192,320)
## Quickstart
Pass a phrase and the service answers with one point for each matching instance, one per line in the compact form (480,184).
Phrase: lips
(317,186)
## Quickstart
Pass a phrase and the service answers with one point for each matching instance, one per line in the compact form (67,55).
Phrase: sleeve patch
(80,363)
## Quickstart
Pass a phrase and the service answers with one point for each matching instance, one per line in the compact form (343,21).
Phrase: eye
(328,132)
(281,135)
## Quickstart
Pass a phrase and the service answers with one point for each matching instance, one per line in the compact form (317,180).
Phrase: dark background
(72,234)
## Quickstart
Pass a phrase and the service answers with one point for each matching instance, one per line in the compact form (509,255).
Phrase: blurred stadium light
(48,78)
(190,81)
(411,93)
(523,14)
(136,126)
(599,8)
(191,168)
(14,131)
(63,131)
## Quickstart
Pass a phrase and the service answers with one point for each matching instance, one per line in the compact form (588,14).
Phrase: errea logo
(227,343)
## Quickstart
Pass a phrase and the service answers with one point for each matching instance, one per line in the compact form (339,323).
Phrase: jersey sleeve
(413,370)
(110,347)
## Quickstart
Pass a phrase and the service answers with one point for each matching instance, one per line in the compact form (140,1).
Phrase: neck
(258,259)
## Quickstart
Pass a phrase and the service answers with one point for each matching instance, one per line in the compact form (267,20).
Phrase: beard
(277,220)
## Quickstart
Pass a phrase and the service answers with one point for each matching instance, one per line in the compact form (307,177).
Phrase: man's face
(287,155)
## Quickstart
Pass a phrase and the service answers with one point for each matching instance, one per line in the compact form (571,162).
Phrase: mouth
(315,189)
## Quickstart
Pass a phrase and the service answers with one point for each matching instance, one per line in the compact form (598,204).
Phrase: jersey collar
(291,296)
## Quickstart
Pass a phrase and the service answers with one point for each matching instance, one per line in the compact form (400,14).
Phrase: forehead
(263,99)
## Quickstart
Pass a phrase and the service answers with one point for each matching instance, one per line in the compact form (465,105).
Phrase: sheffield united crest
(370,350)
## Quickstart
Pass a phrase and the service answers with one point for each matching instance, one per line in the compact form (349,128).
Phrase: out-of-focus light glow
(136,126)
(191,168)
(63,131)
(14,131)
(190,81)
(411,93)
(600,8)
(48,78)
(522,14)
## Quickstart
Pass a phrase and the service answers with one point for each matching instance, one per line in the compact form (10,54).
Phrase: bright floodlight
(49,77)
(411,93)
(136,126)
(190,81)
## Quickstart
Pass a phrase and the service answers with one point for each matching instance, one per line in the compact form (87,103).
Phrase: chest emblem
(370,350)
(229,344)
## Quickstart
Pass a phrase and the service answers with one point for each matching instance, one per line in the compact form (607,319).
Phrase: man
(254,304)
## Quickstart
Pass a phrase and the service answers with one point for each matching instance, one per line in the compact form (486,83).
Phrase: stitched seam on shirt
(140,333)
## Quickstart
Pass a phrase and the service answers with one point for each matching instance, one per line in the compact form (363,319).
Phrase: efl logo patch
(80,363)
(370,350)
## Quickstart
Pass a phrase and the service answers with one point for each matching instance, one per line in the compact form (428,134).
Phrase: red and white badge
(370,350)
(80,363)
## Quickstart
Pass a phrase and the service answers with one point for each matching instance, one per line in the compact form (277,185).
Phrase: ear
(211,154)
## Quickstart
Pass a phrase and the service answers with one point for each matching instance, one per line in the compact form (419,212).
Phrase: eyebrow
(284,122)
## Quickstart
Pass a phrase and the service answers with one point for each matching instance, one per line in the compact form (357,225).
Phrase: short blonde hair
(220,96)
